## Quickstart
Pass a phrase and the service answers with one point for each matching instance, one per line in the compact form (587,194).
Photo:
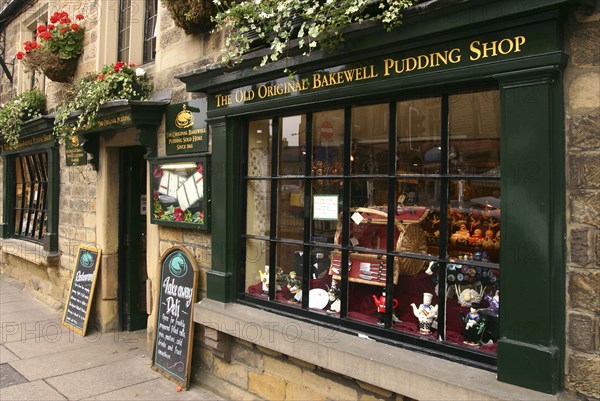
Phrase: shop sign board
(74,154)
(81,292)
(186,128)
(476,50)
(174,334)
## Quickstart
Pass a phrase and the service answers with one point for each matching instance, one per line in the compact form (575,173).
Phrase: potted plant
(20,108)
(112,82)
(57,49)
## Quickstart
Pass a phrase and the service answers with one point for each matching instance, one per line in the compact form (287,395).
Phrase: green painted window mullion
(273,208)
(307,218)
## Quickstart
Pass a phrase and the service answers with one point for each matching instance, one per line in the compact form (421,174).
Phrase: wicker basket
(409,238)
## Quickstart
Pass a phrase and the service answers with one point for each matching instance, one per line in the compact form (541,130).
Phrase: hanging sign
(174,324)
(81,293)
(186,129)
(74,154)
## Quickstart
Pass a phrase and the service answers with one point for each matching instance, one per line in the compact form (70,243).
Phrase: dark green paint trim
(532,330)
(219,286)
(530,366)
(51,236)
(225,210)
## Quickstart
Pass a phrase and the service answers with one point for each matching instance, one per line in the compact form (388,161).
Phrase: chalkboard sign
(81,292)
(174,324)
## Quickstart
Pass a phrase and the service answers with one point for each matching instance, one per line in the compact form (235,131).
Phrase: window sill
(30,251)
(415,375)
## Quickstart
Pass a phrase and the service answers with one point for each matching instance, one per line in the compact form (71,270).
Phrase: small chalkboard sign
(82,287)
(174,325)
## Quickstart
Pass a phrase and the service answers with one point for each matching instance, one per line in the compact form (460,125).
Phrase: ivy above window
(312,23)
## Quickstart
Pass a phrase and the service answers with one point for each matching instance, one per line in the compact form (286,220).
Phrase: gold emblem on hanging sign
(74,141)
(184,118)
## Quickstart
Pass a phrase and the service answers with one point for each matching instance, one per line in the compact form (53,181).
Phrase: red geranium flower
(20,55)
(100,77)
(50,27)
(63,30)
(79,16)
(74,27)
(179,214)
(41,28)
(54,19)
(65,20)
(27,48)
(35,45)
(119,65)
(44,35)
(156,194)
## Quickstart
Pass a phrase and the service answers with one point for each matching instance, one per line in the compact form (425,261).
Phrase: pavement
(40,359)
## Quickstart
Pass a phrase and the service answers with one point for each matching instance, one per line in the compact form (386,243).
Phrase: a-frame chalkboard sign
(81,292)
(174,334)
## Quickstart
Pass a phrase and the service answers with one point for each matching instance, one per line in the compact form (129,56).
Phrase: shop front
(362,198)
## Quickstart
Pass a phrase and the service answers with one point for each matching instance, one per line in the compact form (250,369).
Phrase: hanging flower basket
(58,48)
(194,16)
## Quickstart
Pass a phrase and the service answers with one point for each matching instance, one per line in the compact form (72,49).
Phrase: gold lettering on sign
(391,66)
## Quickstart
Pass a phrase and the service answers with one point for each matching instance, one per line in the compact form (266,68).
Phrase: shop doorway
(132,239)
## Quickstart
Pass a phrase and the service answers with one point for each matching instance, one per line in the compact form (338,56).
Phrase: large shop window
(31,194)
(381,218)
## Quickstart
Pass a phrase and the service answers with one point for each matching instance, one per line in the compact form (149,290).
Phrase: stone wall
(582,113)
(242,370)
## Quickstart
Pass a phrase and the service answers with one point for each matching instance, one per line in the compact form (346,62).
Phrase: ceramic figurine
(426,313)
(497,240)
(460,237)
(293,283)
(488,240)
(334,299)
(264,278)
(477,238)
(380,303)
(474,325)
(494,302)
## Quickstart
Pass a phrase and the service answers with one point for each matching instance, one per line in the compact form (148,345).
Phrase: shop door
(132,239)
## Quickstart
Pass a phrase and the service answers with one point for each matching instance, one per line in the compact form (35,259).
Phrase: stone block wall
(582,119)
(243,370)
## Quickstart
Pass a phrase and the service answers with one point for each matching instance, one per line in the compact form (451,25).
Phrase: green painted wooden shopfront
(513,46)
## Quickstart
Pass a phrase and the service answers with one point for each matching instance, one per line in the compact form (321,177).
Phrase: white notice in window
(325,207)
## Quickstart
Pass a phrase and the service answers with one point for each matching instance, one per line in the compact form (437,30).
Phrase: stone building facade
(582,109)
(225,362)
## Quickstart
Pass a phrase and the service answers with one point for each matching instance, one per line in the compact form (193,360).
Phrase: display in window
(380,303)
(425,313)
(179,192)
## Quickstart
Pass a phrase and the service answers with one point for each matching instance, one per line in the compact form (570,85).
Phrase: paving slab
(13,331)
(7,356)
(58,338)
(103,379)
(156,389)
(57,364)
(35,391)
(26,316)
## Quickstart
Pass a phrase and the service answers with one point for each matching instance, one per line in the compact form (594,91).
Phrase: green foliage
(321,23)
(113,82)
(20,108)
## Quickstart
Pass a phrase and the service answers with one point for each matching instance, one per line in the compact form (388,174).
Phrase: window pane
(289,273)
(258,215)
(30,195)
(474,128)
(419,136)
(370,139)
(325,210)
(474,221)
(328,143)
(259,148)
(290,209)
(257,267)
(292,145)
(369,193)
